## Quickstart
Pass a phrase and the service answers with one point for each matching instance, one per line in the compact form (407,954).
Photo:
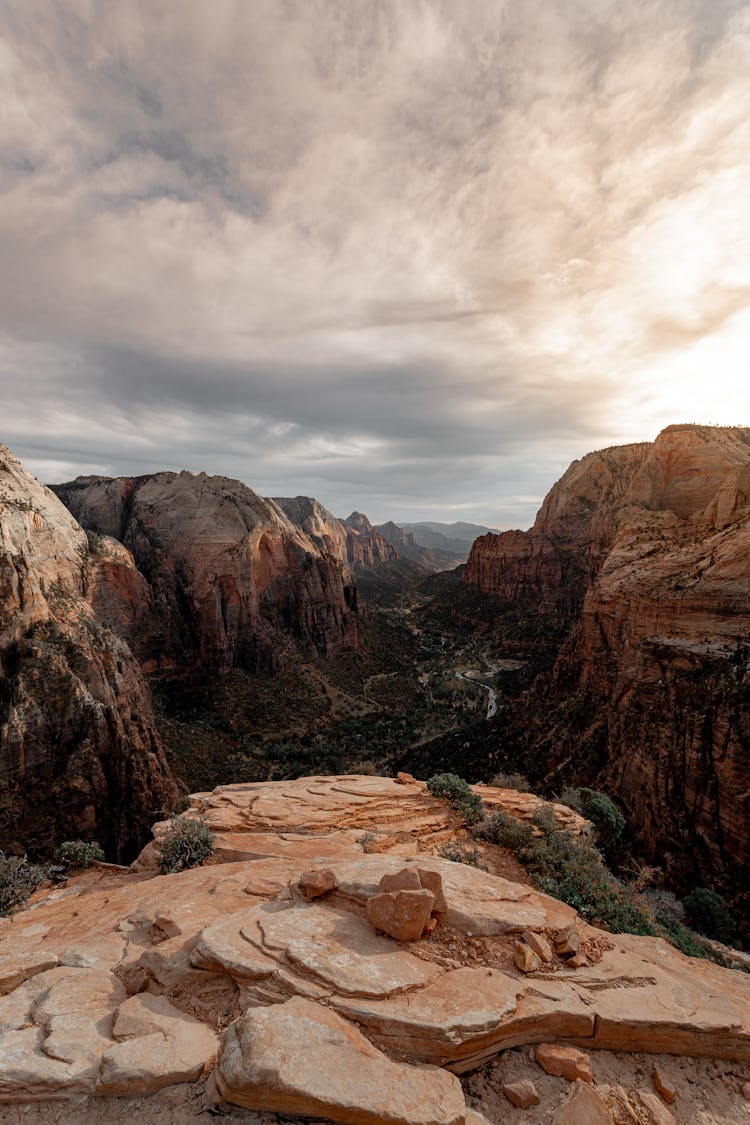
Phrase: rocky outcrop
(232,580)
(120,985)
(645,549)
(550,567)
(79,755)
(355,543)
(429,559)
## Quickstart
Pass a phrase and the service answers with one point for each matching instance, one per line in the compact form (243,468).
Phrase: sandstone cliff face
(232,580)
(78,749)
(650,697)
(551,566)
(357,544)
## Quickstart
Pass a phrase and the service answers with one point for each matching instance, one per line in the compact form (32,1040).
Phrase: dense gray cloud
(411,256)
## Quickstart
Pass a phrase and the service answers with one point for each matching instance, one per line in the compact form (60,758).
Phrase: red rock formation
(650,697)
(233,581)
(79,754)
(356,544)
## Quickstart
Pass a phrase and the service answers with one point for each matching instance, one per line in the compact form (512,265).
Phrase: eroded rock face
(232,581)
(78,748)
(118,982)
(645,549)
(353,541)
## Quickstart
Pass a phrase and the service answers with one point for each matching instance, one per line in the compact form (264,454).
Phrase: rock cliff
(260,981)
(79,754)
(232,580)
(645,550)
(354,543)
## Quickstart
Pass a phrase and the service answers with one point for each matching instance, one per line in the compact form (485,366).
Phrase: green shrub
(599,809)
(453,788)
(511,781)
(707,912)
(458,854)
(19,878)
(186,843)
(78,854)
(569,868)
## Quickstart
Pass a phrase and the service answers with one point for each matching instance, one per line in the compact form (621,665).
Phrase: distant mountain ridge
(453,539)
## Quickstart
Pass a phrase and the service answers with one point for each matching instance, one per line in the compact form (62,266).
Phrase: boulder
(584,1106)
(525,958)
(567,941)
(159,1045)
(300,1058)
(564,1062)
(521,1094)
(402,915)
(539,944)
(318,882)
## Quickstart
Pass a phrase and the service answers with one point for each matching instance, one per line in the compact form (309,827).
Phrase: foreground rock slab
(301,1058)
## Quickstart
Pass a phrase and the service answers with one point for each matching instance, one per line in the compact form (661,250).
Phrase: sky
(408,256)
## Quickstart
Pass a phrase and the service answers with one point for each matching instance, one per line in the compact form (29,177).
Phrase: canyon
(642,551)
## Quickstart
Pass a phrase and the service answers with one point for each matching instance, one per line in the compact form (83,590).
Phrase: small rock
(525,958)
(567,941)
(433,881)
(584,1106)
(746,1091)
(658,1114)
(521,1094)
(539,944)
(320,881)
(407,879)
(402,915)
(405,778)
(430,925)
(564,1062)
(663,1086)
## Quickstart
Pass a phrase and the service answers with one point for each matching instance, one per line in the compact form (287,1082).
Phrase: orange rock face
(231,580)
(77,741)
(125,982)
(645,550)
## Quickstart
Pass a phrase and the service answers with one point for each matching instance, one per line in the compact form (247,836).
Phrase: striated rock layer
(647,550)
(79,754)
(232,581)
(126,982)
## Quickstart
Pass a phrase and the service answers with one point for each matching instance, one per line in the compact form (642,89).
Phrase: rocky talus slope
(646,549)
(232,581)
(262,981)
(78,750)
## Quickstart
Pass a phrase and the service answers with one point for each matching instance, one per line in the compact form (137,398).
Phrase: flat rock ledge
(126,982)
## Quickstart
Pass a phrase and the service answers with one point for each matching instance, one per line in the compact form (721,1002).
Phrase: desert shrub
(19,878)
(453,788)
(663,904)
(458,854)
(707,912)
(186,843)
(569,868)
(78,854)
(511,781)
(600,810)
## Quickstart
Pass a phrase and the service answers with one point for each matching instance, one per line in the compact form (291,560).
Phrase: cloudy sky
(409,256)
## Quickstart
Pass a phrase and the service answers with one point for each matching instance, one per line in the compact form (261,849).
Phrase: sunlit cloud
(410,257)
